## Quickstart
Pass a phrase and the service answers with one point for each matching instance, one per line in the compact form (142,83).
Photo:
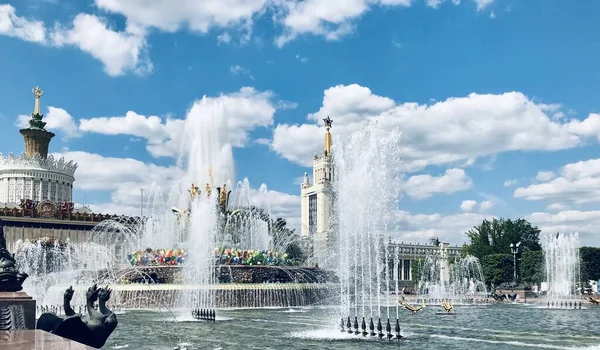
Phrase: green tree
(589,258)
(497,268)
(496,236)
(532,267)
(415,269)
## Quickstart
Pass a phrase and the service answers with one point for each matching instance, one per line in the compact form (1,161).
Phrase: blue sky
(492,96)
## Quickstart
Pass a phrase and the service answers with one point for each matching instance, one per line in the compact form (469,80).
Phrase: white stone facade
(315,204)
(404,255)
(36,178)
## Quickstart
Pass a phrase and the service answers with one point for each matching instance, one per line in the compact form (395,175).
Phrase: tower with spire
(36,176)
(37,138)
(316,197)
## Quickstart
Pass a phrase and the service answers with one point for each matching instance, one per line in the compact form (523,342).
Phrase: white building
(404,255)
(34,175)
(316,198)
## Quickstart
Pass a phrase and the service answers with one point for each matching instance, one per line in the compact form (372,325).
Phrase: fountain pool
(493,327)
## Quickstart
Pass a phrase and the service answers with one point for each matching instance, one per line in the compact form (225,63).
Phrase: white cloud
(118,51)
(196,16)
(241,112)
(557,207)
(577,183)
(509,183)
(589,127)
(56,119)
(162,136)
(477,126)
(485,206)
(483,4)
(123,178)
(448,228)
(425,186)
(436,3)
(545,176)
(330,19)
(468,205)
(20,27)
(239,70)
(126,50)
(584,222)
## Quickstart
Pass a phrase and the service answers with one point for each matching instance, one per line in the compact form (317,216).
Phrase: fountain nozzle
(364,327)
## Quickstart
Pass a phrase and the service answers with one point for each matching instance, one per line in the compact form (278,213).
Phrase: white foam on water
(336,334)
(506,342)
(294,311)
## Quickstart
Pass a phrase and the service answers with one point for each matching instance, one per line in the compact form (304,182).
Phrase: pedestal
(17,311)
(36,339)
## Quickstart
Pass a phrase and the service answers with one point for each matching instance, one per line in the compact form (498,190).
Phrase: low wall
(235,296)
(231,274)
(171,296)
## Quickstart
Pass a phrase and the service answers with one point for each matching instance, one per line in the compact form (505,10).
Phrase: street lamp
(514,249)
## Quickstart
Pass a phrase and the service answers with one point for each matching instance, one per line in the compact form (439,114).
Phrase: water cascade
(366,191)
(459,281)
(561,254)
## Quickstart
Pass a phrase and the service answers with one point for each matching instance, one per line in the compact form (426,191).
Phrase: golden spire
(328,123)
(37,92)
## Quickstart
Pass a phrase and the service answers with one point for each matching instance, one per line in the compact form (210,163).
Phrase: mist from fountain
(205,160)
(366,191)
(454,281)
(55,264)
(247,227)
(561,255)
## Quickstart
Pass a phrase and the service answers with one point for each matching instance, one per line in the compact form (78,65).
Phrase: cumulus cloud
(119,51)
(452,227)
(20,27)
(425,186)
(125,50)
(471,205)
(577,183)
(509,183)
(586,223)
(545,176)
(478,125)
(448,228)
(468,205)
(330,19)
(241,112)
(485,206)
(123,178)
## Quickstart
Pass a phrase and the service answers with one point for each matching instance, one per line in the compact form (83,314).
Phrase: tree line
(490,243)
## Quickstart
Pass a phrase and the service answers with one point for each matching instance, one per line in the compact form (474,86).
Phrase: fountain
(193,219)
(366,192)
(561,254)
(460,281)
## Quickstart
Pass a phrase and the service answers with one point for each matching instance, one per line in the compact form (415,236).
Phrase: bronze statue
(92,329)
(11,280)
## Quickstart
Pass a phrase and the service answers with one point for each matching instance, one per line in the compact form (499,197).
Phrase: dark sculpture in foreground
(11,280)
(92,329)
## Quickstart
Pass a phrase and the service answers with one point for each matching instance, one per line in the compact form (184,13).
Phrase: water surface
(500,326)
